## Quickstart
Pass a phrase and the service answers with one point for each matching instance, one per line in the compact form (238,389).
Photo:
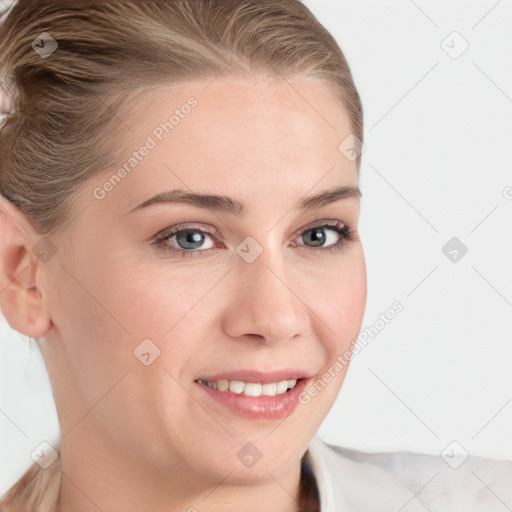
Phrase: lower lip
(257,407)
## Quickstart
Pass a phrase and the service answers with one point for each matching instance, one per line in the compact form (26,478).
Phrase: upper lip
(259,376)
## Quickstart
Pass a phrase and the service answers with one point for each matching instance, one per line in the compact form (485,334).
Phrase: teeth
(281,387)
(223,385)
(269,389)
(251,388)
(236,386)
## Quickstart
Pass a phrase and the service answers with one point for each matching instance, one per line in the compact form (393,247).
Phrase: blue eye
(190,241)
(187,241)
(318,237)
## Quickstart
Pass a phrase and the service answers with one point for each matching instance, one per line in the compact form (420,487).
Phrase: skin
(138,437)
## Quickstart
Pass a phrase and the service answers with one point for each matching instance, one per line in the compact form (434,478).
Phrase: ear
(21,301)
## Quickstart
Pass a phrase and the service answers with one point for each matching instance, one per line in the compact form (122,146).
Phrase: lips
(254,405)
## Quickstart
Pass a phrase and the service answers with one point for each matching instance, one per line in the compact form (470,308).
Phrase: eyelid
(164,233)
(322,223)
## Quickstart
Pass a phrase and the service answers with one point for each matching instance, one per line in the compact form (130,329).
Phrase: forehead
(246,137)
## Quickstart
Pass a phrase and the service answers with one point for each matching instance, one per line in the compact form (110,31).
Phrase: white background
(437,165)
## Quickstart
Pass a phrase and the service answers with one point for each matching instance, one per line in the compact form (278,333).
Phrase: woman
(179,232)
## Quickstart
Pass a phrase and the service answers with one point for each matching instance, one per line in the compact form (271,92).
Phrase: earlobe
(21,302)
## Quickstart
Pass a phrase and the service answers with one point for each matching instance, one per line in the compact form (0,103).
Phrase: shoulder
(410,481)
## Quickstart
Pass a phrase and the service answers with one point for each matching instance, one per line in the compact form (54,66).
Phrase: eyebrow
(228,205)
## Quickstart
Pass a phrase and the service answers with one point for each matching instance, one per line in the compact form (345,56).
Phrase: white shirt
(353,481)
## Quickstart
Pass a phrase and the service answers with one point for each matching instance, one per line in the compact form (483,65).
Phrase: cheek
(157,301)
(341,307)
(100,315)
(342,300)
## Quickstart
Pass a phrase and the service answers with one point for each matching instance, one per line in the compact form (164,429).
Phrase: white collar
(345,483)
(322,474)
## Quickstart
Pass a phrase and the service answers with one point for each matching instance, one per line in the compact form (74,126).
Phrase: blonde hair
(66,129)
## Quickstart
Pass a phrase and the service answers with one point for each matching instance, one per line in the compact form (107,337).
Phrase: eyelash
(337,226)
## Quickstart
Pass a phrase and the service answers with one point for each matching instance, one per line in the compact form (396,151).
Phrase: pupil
(317,236)
(190,237)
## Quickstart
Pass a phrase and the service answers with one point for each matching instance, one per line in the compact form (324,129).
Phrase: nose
(265,301)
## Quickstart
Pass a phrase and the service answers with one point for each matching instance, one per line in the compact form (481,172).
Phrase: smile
(250,388)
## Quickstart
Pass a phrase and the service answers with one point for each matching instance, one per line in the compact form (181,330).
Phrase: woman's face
(136,324)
